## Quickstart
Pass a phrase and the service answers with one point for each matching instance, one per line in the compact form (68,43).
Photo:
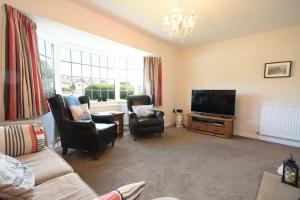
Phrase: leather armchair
(144,125)
(90,135)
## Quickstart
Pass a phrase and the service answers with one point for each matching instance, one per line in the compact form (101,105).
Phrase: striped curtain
(153,79)
(23,88)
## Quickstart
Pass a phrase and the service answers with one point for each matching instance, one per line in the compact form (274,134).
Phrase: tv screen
(213,101)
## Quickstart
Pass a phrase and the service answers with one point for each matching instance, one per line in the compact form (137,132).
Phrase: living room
(230,48)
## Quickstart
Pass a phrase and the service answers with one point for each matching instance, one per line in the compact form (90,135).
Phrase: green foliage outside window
(107,90)
(103,89)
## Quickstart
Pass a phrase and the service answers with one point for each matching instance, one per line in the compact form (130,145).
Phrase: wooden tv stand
(211,125)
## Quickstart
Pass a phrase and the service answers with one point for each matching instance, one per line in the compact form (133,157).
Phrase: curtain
(23,87)
(153,79)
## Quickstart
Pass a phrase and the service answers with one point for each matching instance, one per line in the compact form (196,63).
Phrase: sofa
(55,178)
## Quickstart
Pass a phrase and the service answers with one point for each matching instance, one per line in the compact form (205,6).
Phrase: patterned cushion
(128,192)
(16,179)
(20,139)
(114,195)
(81,112)
(143,110)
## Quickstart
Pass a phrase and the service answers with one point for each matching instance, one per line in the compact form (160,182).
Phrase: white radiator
(280,121)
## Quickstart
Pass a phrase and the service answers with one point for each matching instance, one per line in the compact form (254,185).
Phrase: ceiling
(217,19)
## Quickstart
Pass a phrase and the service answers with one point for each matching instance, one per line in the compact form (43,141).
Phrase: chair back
(133,100)
(57,106)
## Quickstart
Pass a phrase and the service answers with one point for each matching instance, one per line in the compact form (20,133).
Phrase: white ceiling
(217,19)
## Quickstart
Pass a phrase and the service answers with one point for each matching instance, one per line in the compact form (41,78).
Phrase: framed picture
(278,69)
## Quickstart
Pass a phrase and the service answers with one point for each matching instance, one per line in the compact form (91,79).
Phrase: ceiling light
(178,26)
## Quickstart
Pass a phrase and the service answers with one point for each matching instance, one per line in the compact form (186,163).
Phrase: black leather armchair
(90,135)
(144,125)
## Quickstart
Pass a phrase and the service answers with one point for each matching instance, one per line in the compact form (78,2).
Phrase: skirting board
(270,139)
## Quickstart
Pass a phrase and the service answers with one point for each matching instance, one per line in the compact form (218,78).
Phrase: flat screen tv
(220,102)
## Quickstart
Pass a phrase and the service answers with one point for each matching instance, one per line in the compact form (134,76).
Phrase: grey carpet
(187,165)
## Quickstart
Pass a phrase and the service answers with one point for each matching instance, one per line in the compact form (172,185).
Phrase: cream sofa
(55,178)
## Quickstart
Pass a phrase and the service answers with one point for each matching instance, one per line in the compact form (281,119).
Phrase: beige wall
(239,64)
(231,64)
(71,14)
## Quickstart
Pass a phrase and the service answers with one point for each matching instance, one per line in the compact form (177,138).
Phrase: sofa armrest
(103,118)
(80,125)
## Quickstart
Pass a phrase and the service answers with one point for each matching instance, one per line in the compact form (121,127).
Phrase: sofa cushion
(69,186)
(20,139)
(16,179)
(45,165)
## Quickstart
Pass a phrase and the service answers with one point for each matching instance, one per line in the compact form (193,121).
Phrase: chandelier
(178,26)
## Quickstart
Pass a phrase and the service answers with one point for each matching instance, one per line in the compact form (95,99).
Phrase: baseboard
(279,141)
(169,123)
(270,139)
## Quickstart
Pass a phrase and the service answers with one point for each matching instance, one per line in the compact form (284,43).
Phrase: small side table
(118,118)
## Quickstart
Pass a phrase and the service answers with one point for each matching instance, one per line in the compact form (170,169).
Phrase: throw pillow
(81,112)
(113,195)
(20,139)
(143,110)
(16,180)
(128,192)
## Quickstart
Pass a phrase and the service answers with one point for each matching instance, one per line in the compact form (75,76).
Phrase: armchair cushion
(148,122)
(81,112)
(143,110)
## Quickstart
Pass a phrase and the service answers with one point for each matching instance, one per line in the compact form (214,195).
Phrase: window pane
(65,68)
(131,74)
(103,61)
(103,72)
(64,54)
(96,72)
(66,85)
(49,50)
(130,64)
(95,60)
(123,74)
(86,71)
(76,56)
(41,47)
(76,69)
(111,63)
(122,63)
(77,85)
(87,87)
(86,59)
(111,74)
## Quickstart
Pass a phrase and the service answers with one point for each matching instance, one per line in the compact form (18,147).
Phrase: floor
(183,164)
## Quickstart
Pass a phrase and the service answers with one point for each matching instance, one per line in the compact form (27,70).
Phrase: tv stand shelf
(211,125)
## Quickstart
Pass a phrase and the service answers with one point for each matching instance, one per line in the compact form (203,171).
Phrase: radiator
(280,121)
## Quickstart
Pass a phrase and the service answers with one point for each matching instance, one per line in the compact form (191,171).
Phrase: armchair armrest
(158,113)
(79,125)
(132,114)
(103,118)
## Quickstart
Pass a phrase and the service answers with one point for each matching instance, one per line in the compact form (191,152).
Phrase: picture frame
(278,69)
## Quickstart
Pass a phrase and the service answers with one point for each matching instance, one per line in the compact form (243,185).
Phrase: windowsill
(107,103)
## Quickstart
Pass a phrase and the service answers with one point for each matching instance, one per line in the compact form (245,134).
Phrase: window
(84,73)
(131,76)
(96,75)
(100,76)
(46,54)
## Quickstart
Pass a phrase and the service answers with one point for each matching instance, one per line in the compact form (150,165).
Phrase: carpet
(183,164)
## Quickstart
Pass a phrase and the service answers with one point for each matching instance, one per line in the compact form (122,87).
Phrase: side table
(118,118)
